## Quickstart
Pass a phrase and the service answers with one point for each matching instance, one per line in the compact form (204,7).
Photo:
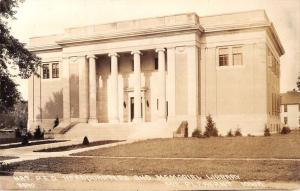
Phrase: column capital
(159,49)
(113,54)
(136,52)
(91,56)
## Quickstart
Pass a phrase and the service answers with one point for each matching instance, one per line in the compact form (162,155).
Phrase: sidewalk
(26,153)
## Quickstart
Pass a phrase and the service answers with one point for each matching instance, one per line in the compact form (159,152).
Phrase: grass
(247,170)
(78,146)
(275,146)
(9,140)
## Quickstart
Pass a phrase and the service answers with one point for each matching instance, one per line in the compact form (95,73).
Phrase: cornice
(44,48)
(145,32)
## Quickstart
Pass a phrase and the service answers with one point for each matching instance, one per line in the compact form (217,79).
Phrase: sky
(44,17)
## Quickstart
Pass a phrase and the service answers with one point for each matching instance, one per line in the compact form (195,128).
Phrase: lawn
(247,170)
(166,150)
(275,146)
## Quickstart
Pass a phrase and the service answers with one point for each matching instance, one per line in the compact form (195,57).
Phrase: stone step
(120,131)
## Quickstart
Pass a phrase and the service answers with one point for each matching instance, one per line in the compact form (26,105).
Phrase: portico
(137,108)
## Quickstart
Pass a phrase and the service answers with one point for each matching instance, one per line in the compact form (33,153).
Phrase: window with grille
(237,56)
(55,70)
(223,57)
(46,73)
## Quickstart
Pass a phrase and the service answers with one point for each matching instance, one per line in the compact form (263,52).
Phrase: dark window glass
(285,108)
(46,74)
(55,70)
(156,63)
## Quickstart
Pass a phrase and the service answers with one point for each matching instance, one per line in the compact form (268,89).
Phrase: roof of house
(290,97)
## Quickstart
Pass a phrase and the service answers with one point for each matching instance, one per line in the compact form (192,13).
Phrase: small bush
(267,132)
(29,135)
(17,133)
(38,134)
(210,128)
(197,133)
(56,122)
(285,130)
(229,134)
(238,133)
(249,135)
(85,141)
(25,140)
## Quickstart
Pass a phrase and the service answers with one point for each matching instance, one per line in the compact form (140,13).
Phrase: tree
(210,128)
(298,83)
(13,54)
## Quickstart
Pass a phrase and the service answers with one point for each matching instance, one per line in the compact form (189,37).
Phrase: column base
(114,121)
(92,121)
(137,120)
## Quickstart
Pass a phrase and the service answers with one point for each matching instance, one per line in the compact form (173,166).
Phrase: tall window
(46,74)
(55,70)
(285,120)
(132,65)
(285,108)
(237,56)
(223,57)
(156,63)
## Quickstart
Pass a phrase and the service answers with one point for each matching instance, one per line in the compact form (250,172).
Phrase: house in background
(290,109)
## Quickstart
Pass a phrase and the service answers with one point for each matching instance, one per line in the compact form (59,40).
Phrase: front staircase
(118,131)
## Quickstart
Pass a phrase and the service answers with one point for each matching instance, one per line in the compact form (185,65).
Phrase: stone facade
(164,70)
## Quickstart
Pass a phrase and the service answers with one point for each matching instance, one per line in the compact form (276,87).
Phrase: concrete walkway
(27,152)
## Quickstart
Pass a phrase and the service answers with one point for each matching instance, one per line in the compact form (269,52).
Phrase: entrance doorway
(132,108)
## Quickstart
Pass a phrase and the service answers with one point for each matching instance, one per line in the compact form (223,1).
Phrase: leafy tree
(210,128)
(298,83)
(13,54)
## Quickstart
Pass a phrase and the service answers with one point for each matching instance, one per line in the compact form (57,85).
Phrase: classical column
(92,89)
(137,85)
(114,87)
(66,89)
(171,82)
(83,89)
(162,83)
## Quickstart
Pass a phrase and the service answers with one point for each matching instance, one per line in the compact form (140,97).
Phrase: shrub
(17,133)
(85,141)
(25,140)
(29,135)
(267,132)
(38,134)
(238,133)
(229,134)
(197,133)
(210,128)
(56,122)
(285,130)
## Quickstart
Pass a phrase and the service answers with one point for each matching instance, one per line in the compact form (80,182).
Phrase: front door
(131,108)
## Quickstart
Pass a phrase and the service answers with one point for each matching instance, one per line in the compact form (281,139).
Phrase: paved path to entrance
(27,153)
